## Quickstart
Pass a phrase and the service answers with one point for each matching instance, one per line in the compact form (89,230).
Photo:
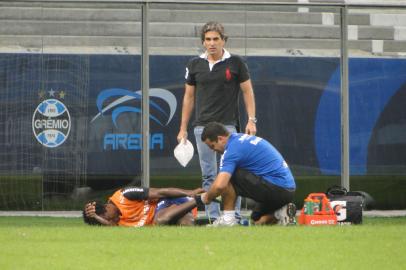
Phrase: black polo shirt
(216,90)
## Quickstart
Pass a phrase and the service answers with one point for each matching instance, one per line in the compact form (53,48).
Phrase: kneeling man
(250,167)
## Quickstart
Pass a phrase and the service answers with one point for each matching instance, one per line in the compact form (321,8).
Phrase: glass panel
(70,107)
(173,41)
(293,57)
(377,82)
(20,154)
(96,54)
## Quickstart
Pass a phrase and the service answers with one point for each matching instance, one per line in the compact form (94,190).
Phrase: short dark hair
(100,210)
(212,130)
(215,27)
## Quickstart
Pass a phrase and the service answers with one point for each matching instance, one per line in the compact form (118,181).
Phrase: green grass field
(67,243)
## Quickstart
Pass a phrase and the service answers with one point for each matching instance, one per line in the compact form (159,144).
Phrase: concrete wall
(174,29)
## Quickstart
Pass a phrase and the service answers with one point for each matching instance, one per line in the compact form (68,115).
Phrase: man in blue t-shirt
(250,167)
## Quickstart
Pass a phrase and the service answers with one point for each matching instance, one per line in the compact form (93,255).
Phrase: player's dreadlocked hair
(100,209)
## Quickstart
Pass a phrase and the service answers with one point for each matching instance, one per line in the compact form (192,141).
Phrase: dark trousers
(268,197)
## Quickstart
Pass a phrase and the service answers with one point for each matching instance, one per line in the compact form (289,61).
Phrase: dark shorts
(268,197)
(166,202)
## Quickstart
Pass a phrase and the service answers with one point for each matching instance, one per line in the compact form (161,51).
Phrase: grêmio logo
(51,121)
(114,141)
(115,101)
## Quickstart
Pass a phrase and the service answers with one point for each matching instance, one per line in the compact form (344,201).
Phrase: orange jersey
(135,213)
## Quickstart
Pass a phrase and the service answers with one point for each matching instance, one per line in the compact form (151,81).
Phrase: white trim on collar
(226,55)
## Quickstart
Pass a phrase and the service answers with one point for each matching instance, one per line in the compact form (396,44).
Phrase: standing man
(213,83)
(251,167)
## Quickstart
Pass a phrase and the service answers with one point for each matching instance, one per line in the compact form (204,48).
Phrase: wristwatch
(253,119)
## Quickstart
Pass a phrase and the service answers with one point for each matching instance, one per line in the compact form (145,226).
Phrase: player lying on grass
(137,206)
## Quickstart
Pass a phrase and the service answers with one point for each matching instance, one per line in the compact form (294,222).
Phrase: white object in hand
(184,152)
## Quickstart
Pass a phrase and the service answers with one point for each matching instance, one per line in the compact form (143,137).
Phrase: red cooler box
(317,211)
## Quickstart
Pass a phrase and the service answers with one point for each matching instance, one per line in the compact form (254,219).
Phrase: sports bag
(347,205)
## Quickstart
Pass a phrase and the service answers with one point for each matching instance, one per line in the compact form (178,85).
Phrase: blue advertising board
(62,111)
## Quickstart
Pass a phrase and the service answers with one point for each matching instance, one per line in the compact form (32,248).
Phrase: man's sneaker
(286,215)
(224,222)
